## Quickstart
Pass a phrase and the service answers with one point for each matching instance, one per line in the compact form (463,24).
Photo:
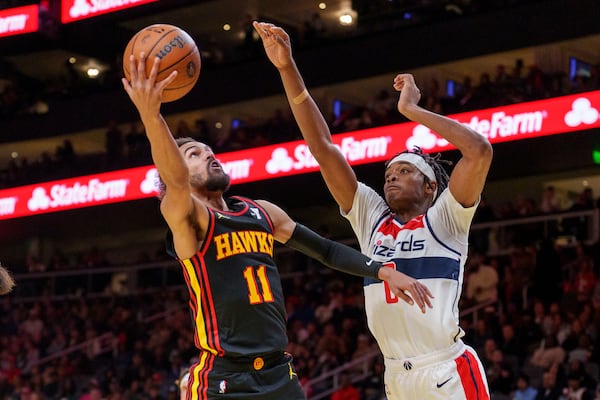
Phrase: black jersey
(236,298)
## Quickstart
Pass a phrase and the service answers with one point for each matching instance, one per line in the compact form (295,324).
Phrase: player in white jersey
(423,221)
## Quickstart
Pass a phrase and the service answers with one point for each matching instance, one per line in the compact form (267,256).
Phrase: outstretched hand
(143,90)
(407,288)
(276,42)
(410,95)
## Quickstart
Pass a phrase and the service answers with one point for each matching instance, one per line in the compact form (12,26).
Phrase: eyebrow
(193,147)
(197,147)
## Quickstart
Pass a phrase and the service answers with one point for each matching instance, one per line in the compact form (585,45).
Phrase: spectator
(500,374)
(347,390)
(480,237)
(550,202)
(524,390)
(548,353)
(373,387)
(549,390)
(481,281)
(511,344)
(581,286)
(575,390)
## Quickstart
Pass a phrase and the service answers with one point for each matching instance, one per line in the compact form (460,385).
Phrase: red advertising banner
(509,123)
(83,191)
(75,10)
(19,20)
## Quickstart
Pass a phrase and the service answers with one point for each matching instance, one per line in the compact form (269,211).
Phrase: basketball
(176,50)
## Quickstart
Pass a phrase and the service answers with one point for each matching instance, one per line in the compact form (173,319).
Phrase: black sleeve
(333,254)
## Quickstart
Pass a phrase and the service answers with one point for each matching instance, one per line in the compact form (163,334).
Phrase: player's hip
(264,377)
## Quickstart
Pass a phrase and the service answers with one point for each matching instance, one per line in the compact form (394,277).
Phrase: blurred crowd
(537,331)
(126,144)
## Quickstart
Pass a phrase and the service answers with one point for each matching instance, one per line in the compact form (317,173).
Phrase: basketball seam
(135,38)
(166,89)
(159,39)
(177,62)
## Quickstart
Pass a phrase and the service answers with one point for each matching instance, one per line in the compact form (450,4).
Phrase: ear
(431,188)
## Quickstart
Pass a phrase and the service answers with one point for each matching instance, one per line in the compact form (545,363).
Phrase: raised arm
(177,205)
(469,175)
(344,258)
(336,171)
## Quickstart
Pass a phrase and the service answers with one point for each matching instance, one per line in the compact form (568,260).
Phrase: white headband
(419,162)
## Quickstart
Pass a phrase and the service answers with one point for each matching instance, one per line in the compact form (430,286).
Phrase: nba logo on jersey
(222,387)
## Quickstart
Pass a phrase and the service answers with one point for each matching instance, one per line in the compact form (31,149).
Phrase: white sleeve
(450,215)
(367,208)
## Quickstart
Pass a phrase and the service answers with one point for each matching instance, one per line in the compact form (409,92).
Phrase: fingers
(267,31)
(138,78)
(418,294)
(141,66)
(259,29)
(165,82)
(154,70)
(132,68)
(263,29)
(402,80)
(279,33)
(405,297)
(126,86)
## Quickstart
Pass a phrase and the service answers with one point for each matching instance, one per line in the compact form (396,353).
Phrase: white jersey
(431,248)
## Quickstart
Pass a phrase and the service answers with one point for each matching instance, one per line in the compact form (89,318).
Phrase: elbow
(482,149)
(319,150)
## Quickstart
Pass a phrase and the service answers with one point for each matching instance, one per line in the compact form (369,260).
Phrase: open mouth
(215,165)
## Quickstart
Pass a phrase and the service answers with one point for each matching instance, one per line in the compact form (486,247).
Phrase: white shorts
(455,373)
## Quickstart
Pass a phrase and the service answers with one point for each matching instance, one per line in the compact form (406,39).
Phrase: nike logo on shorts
(439,385)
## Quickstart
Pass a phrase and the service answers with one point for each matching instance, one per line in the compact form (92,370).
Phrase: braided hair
(435,162)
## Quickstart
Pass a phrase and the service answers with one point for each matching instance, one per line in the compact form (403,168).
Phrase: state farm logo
(280,162)
(8,205)
(13,23)
(81,8)
(238,169)
(62,195)
(353,150)
(581,112)
(499,125)
(150,182)
(424,138)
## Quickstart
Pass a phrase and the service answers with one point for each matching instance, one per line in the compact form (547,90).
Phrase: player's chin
(393,195)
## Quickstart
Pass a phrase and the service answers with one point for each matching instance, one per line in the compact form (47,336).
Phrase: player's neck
(213,200)
(406,215)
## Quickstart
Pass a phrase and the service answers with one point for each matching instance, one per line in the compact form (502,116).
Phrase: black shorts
(269,377)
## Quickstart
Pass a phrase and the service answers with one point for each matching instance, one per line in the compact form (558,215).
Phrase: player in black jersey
(225,248)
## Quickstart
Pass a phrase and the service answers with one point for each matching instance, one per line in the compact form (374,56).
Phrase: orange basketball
(176,50)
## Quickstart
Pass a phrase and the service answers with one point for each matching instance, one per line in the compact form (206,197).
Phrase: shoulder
(276,213)
(283,225)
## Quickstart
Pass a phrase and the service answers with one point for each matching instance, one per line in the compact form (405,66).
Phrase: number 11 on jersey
(251,275)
